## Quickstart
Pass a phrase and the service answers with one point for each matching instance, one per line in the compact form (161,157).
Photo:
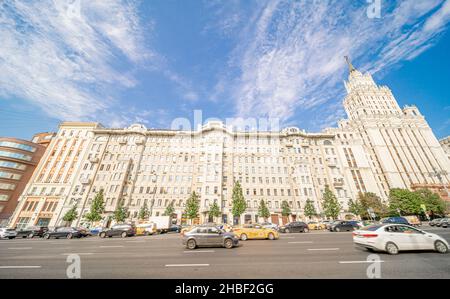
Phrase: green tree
(372,201)
(330,204)
(214,210)
(120,214)
(355,207)
(405,201)
(192,206)
(143,212)
(432,201)
(169,210)
(238,201)
(97,208)
(309,209)
(71,215)
(285,209)
(263,210)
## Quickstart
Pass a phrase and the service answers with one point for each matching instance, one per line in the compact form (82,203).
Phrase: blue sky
(122,62)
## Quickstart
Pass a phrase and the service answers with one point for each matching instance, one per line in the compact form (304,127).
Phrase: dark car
(209,236)
(395,220)
(32,231)
(175,228)
(118,230)
(295,227)
(63,232)
(342,226)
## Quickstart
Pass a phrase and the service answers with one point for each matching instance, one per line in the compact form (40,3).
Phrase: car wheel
(123,235)
(11,238)
(228,244)
(440,247)
(305,230)
(69,236)
(271,236)
(287,231)
(391,248)
(244,237)
(30,236)
(191,244)
(47,236)
(102,235)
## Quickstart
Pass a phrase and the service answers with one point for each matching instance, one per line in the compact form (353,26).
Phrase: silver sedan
(209,237)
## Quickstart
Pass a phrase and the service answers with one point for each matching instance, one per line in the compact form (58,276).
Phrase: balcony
(338,184)
(94,160)
(85,181)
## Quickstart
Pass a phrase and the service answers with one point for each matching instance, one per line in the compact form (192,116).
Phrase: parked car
(95,230)
(443,222)
(342,226)
(122,230)
(146,229)
(393,238)
(395,220)
(255,231)
(32,231)
(7,233)
(63,232)
(270,225)
(434,221)
(295,227)
(355,223)
(209,236)
(413,220)
(316,225)
(175,228)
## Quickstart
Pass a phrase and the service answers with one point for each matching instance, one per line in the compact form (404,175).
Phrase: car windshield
(371,228)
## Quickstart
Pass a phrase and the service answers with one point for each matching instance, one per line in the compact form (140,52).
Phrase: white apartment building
(378,147)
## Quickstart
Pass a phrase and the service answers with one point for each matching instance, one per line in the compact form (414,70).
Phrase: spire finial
(350,65)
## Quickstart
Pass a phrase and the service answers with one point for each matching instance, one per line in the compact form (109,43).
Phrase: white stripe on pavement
(360,262)
(301,242)
(20,248)
(112,246)
(323,249)
(135,241)
(187,265)
(20,267)
(82,253)
(198,251)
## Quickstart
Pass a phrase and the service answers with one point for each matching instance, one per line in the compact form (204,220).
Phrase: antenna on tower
(349,63)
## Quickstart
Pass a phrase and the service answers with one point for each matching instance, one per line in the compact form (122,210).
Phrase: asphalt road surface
(310,255)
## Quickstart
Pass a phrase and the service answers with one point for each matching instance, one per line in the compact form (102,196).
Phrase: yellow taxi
(255,231)
(316,225)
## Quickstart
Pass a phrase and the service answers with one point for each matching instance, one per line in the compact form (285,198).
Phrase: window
(5,186)
(14,165)
(23,222)
(15,155)
(24,147)
(9,175)
(4,197)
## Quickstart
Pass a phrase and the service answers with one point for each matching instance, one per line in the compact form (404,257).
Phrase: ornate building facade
(380,146)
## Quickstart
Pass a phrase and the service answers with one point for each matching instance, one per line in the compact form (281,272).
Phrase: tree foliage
(330,204)
(372,201)
(405,202)
(238,201)
(143,212)
(433,202)
(71,215)
(285,209)
(97,208)
(263,210)
(192,206)
(214,210)
(309,209)
(169,210)
(120,214)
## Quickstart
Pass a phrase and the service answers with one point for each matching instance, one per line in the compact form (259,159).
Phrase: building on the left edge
(18,160)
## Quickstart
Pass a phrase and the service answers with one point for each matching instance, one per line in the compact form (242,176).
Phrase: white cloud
(288,57)
(62,59)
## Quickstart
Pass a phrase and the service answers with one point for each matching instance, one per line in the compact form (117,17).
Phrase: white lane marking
(323,249)
(187,265)
(359,262)
(82,253)
(198,251)
(135,241)
(20,267)
(112,246)
(301,242)
(20,248)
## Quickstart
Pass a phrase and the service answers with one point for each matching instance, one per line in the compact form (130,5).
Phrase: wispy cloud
(288,58)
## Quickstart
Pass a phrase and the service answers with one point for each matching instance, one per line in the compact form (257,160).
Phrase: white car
(269,225)
(392,238)
(7,233)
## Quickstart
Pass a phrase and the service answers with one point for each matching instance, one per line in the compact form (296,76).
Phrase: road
(310,255)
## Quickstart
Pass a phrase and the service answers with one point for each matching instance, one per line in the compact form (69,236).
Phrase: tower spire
(350,65)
